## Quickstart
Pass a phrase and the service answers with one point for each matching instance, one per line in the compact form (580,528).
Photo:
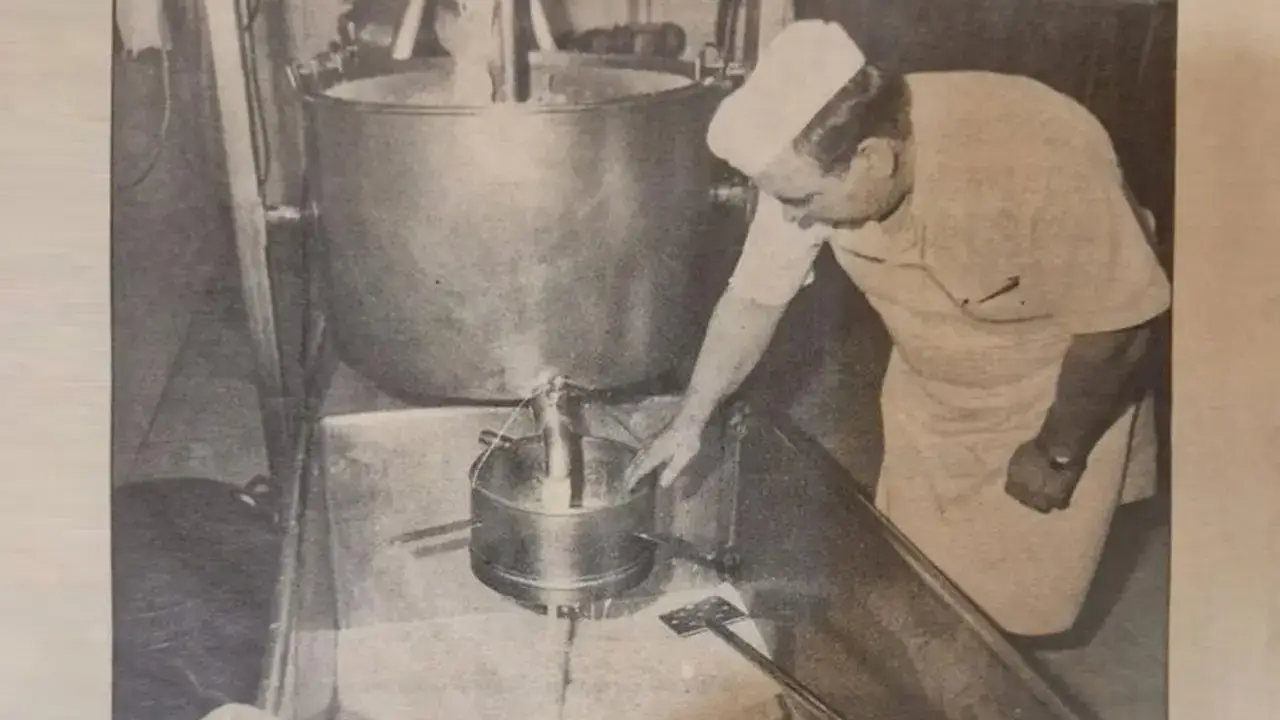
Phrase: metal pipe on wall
(250,223)
(774,16)
(542,31)
(407,34)
(510,52)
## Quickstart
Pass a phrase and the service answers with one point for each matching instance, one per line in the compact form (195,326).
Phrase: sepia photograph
(641,359)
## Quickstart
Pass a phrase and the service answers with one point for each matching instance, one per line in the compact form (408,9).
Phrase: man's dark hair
(875,103)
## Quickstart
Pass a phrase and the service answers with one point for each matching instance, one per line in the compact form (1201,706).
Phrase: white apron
(963,390)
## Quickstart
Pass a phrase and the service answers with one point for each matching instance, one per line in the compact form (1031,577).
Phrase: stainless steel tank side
(530,545)
(471,253)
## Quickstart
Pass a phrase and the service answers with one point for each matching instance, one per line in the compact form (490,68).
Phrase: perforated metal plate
(692,619)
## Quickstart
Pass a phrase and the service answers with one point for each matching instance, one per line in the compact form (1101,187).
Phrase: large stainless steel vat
(472,252)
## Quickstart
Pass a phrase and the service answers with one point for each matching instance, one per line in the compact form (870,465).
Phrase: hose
(261,147)
(251,10)
(162,136)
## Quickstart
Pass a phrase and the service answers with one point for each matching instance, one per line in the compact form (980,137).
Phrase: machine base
(593,597)
(369,626)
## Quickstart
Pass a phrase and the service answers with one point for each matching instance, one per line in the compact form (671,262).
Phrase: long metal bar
(731,488)
(751,32)
(510,52)
(923,569)
(271,691)
(250,224)
(797,689)
(407,34)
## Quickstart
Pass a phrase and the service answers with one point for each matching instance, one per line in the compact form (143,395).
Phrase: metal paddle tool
(715,614)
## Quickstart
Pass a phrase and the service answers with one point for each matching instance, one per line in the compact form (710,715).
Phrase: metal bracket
(288,215)
(711,67)
(724,561)
(324,70)
(736,192)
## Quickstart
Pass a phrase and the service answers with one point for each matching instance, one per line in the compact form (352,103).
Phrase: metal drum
(471,252)
(529,544)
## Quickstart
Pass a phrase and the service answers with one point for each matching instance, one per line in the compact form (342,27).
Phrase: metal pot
(528,544)
(471,252)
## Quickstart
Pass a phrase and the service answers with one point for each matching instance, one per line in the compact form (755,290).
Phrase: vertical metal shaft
(751,32)
(407,34)
(558,418)
(731,485)
(248,212)
(510,52)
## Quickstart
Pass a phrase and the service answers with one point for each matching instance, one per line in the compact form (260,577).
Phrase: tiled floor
(207,425)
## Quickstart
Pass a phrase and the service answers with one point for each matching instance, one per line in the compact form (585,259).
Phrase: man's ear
(879,158)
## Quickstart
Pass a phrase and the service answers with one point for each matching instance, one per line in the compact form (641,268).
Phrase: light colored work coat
(1019,236)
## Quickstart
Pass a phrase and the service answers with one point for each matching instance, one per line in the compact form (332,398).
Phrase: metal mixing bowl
(530,545)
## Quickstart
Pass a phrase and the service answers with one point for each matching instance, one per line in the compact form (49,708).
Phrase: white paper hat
(798,72)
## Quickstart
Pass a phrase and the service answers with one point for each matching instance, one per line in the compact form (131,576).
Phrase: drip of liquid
(472,85)
(555,492)
(469,32)
(600,488)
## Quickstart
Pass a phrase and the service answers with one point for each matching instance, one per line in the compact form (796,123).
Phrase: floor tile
(216,349)
(236,459)
(197,408)
(1122,669)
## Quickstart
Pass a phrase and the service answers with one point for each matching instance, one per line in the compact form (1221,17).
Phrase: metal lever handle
(407,34)
(489,438)
(724,563)
(797,689)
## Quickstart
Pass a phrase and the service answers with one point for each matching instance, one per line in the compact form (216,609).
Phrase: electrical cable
(262,149)
(251,10)
(162,136)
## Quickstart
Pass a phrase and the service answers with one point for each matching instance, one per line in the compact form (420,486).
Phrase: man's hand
(1035,480)
(675,448)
